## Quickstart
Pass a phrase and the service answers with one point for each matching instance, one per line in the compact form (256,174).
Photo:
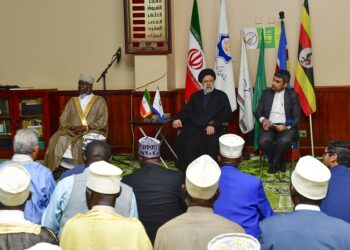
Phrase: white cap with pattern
(202,177)
(86,78)
(149,147)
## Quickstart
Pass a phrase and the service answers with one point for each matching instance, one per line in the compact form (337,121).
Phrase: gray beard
(208,90)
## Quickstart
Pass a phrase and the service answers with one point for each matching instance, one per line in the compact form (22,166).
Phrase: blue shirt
(242,199)
(42,185)
(76,170)
(59,200)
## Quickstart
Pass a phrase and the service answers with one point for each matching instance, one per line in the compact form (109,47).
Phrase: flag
(223,64)
(304,74)
(282,57)
(245,93)
(260,85)
(145,107)
(195,57)
(157,107)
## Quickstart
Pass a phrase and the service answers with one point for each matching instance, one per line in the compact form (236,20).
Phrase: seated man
(15,231)
(42,184)
(202,121)
(306,227)
(68,199)
(102,227)
(278,111)
(195,228)
(158,190)
(337,202)
(86,114)
(242,197)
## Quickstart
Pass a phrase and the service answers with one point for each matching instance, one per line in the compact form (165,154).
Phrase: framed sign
(147,27)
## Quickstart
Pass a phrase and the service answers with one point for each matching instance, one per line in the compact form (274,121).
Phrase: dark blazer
(291,106)
(306,230)
(337,201)
(216,112)
(158,195)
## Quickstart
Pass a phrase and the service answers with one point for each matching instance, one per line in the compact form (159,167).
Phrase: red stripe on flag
(191,85)
(304,38)
(304,102)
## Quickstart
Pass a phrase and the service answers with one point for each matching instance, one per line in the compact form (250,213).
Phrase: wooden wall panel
(330,122)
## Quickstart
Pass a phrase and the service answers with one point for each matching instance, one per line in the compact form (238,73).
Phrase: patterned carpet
(276,185)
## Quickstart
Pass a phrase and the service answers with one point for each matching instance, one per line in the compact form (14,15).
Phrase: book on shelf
(4,106)
(5,127)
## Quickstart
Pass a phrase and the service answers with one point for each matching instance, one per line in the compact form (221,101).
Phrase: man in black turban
(201,122)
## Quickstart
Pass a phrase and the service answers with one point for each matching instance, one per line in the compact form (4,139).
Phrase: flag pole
(311,136)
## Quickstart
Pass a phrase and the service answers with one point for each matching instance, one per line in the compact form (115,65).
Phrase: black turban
(206,72)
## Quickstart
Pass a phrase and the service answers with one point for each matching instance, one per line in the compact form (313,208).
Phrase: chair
(234,241)
(290,156)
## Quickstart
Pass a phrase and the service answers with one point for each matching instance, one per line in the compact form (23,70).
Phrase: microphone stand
(117,57)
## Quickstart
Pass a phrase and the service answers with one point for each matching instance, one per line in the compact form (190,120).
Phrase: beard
(208,90)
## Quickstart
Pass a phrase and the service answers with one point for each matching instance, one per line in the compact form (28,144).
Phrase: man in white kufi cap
(102,227)
(82,116)
(195,228)
(15,231)
(242,197)
(307,227)
(157,189)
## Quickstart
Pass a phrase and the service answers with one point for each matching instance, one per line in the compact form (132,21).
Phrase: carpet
(276,185)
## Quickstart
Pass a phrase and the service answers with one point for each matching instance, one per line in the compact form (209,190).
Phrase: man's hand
(79,129)
(210,130)
(281,128)
(266,124)
(177,123)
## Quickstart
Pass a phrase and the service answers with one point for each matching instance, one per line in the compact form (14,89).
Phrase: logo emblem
(305,58)
(224,48)
(195,59)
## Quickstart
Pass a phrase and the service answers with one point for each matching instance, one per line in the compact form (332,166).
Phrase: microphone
(118,54)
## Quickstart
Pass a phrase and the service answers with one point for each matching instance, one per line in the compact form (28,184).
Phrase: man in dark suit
(278,112)
(157,189)
(337,202)
(307,227)
(202,121)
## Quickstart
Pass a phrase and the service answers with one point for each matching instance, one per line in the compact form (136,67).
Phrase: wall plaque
(147,26)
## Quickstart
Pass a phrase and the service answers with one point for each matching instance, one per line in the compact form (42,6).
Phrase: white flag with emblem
(223,65)
(245,93)
(157,105)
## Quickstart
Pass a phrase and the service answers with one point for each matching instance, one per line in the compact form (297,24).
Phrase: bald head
(97,151)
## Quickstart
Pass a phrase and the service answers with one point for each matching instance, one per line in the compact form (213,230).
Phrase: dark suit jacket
(304,230)
(216,112)
(158,195)
(337,201)
(291,106)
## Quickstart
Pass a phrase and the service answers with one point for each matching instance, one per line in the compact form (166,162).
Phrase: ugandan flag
(304,74)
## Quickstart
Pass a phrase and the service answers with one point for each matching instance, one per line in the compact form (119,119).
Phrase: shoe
(283,167)
(272,170)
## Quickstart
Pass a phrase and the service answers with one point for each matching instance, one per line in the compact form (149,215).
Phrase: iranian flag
(195,59)
(145,107)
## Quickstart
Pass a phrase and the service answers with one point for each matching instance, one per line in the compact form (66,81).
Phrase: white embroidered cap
(86,78)
(231,145)
(310,178)
(149,147)
(104,178)
(202,177)
(14,185)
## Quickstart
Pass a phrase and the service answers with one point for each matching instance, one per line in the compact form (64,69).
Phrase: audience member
(307,227)
(202,122)
(337,202)
(242,197)
(278,111)
(195,228)
(42,184)
(15,231)
(69,198)
(158,190)
(102,227)
(83,115)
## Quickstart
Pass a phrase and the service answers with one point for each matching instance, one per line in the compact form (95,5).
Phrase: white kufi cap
(310,178)
(104,178)
(202,177)
(86,78)
(231,145)
(14,185)
(149,147)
